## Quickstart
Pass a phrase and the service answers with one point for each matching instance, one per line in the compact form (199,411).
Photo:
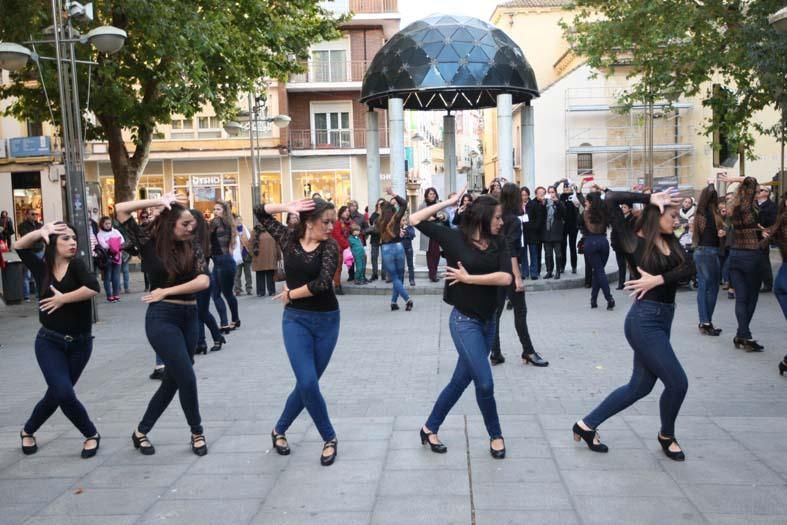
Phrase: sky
(412,10)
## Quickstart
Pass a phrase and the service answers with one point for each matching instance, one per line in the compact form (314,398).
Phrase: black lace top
(315,269)
(157,273)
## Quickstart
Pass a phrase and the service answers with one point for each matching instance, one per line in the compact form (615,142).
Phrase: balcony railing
(334,71)
(343,7)
(301,139)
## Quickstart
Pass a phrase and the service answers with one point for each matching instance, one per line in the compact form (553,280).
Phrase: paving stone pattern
(386,372)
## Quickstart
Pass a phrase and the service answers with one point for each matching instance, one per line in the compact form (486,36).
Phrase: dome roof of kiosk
(446,62)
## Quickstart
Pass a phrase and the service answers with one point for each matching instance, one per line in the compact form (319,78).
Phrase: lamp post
(778,21)
(105,39)
(254,120)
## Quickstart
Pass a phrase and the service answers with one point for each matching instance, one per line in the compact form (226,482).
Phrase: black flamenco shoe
(611,304)
(89,453)
(750,345)
(534,359)
(225,329)
(139,443)
(217,344)
(437,448)
(201,348)
(589,436)
(782,368)
(409,306)
(282,450)
(709,329)
(665,443)
(328,460)
(235,324)
(497,454)
(28,450)
(200,450)
(497,358)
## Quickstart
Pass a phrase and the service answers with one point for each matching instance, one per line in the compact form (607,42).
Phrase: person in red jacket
(341,233)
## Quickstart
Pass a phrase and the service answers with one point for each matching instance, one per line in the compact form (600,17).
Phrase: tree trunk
(126,168)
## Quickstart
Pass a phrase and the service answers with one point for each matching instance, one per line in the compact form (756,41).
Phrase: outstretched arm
(124,209)
(427,212)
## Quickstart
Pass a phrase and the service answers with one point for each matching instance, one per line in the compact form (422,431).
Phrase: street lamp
(105,39)
(778,21)
(252,121)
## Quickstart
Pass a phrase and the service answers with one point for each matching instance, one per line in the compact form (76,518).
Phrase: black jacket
(555,233)
(571,216)
(767,216)
(537,214)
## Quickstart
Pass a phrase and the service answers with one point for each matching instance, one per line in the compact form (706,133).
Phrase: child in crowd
(407,235)
(359,254)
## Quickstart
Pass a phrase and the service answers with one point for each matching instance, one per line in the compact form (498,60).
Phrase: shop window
(26,188)
(332,185)
(270,188)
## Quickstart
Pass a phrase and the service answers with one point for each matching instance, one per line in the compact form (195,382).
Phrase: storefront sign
(206,181)
(30,147)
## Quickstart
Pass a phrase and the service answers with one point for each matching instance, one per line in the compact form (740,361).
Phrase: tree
(675,48)
(179,56)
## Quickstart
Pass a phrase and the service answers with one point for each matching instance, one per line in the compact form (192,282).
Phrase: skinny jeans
(112,279)
(206,318)
(706,260)
(597,255)
(224,276)
(746,279)
(393,264)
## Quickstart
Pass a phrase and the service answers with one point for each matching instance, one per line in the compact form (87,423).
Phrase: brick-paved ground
(386,373)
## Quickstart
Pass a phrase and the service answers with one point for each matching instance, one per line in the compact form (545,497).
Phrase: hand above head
(453,200)
(731,178)
(300,205)
(52,228)
(389,191)
(668,197)
(170,198)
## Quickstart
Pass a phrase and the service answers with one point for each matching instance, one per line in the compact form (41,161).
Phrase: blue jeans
(647,328)
(535,259)
(309,338)
(746,279)
(61,362)
(112,280)
(524,267)
(473,338)
(393,265)
(28,282)
(172,332)
(206,318)
(780,288)
(124,273)
(706,260)
(725,268)
(222,282)
(597,255)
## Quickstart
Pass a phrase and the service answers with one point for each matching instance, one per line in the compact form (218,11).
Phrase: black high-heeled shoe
(782,368)
(201,348)
(709,329)
(611,304)
(409,306)
(497,358)
(200,450)
(28,450)
(89,453)
(665,443)
(394,307)
(235,324)
(139,443)
(497,454)
(225,329)
(438,447)
(750,345)
(217,344)
(328,460)
(534,359)
(589,436)
(282,450)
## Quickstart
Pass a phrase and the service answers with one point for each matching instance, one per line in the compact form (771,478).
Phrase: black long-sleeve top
(154,266)
(72,318)
(395,234)
(476,301)
(536,217)
(674,267)
(571,215)
(315,269)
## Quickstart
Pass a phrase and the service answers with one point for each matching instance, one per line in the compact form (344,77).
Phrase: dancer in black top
(310,324)
(178,272)
(64,341)
(478,263)
(658,264)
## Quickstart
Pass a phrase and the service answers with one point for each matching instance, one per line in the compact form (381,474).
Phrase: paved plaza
(386,372)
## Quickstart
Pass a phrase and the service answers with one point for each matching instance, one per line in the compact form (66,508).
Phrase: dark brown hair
(175,255)
(312,216)
(708,202)
(650,230)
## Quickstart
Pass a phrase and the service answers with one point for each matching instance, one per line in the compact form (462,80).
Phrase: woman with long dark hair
(223,237)
(512,234)
(310,323)
(64,341)
(478,263)
(778,233)
(389,227)
(178,272)
(594,232)
(341,234)
(201,238)
(658,264)
(433,248)
(744,259)
(708,238)
(374,239)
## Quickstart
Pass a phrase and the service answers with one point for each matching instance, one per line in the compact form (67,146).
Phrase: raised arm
(425,213)
(124,209)
(41,234)
(265,212)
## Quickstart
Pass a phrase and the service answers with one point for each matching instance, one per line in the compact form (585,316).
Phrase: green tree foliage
(674,48)
(180,55)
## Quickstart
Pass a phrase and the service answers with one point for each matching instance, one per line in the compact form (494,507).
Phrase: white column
(528,146)
(396,142)
(373,156)
(505,139)
(449,152)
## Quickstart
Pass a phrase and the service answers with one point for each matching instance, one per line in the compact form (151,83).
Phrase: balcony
(331,72)
(370,7)
(323,139)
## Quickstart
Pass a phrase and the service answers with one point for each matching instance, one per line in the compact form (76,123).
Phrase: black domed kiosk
(445,63)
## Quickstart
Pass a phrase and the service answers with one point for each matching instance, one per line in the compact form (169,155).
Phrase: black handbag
(581,246)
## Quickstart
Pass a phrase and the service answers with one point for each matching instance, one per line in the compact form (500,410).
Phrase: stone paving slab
(386,372)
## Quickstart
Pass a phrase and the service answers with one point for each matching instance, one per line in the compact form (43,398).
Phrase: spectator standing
(265,259)
(244,266)
(766,218)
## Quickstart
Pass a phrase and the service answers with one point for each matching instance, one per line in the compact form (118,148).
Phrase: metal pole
(449,152)
(505,140)
(255,179)
(396,143)
(373,156)
(528,145)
